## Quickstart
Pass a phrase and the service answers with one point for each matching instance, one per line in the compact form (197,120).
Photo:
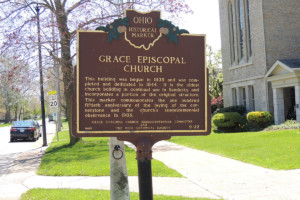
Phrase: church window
(240,29)
(244,102)
(252,98)
(249,45)
(231,32)
(234,96)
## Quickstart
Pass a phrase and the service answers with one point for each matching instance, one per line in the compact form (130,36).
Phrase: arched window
(231,33)
(240,29)
(249,45)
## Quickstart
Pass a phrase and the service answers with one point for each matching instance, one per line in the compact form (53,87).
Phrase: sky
(204,20)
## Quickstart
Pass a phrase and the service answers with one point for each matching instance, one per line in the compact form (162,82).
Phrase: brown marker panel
(123,90)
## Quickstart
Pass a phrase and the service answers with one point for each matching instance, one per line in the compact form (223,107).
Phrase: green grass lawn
(4,125)
(78,194)
(90,157)
(278,150)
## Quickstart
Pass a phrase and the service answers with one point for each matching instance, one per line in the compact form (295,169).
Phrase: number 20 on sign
(53,101)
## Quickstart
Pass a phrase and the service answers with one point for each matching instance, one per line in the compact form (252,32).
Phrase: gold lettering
(102,58)
(160,60)
(114,59)
(143,68)
(142,20)
(108,58)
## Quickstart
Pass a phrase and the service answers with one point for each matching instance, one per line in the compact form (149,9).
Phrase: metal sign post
(149,83)
(144,156)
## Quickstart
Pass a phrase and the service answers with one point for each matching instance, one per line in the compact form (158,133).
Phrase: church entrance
(289,103)
(284,76)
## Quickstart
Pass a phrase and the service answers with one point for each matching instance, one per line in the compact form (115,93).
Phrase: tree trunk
(65,108)
(16,112)
(66,62)
(20,112)
(7,115)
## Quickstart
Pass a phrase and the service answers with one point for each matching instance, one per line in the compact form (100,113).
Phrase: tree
(214,61)
(69,16)
(15,84)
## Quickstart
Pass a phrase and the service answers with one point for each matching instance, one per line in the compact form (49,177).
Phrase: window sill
(240,65)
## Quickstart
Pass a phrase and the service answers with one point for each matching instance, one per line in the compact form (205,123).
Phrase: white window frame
(243,97)
(240,32)
(231,32)
(240,29)
(252,97)
(234,97)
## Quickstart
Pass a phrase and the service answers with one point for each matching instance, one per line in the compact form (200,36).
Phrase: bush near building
(239,109)
(260,119)
(227,121)
(253,121)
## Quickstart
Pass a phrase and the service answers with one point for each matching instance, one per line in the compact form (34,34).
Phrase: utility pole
(41,75)
(58,123)
(57,79)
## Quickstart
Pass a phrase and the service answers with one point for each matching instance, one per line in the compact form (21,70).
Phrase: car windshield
(23,124)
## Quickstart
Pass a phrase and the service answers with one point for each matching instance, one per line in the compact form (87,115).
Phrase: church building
(261,56)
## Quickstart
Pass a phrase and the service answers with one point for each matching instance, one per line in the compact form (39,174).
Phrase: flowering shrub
(260,119)
(290,124)
(227,120)
(216,103)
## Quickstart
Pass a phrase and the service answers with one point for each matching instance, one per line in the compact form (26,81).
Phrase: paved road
(14,153)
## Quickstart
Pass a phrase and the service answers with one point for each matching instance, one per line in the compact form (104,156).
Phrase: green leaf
(111,36)
(173,38)
(102,28)
(113,33)
(182,31)
(172,35)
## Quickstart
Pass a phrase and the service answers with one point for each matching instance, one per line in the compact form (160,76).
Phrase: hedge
(227,119)
(260,119)
(239,109)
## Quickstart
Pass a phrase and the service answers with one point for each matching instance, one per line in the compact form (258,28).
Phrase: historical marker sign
(146,80)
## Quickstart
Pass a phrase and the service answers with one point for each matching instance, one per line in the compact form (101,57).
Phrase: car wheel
(12,139)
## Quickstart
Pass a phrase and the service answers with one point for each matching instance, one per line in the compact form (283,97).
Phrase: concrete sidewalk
(24,167)
(228,178)
(207,175)
(161,185)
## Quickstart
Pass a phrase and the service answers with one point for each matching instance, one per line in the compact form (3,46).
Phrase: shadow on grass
(242,128)
(79,152)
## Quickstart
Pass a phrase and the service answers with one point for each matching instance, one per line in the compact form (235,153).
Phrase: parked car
(29,130)
(50,117)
